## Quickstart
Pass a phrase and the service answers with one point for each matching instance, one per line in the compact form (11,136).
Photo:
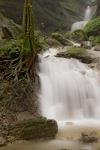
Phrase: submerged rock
(34,129)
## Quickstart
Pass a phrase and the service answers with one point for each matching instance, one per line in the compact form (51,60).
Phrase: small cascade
(69,88)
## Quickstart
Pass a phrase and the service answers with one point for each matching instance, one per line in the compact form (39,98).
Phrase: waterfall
(88,14)
(81,24)
(69,88)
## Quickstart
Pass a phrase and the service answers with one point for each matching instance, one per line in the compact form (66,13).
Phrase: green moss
(78,53)
(33,129)
(93,27)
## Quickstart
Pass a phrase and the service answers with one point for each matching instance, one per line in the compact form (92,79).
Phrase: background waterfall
(89,12)
(69,89)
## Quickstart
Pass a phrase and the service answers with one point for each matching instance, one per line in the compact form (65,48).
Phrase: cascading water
(88,14)
(87,17)
(69,88)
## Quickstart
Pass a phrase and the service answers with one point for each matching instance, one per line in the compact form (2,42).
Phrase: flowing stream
(70,90)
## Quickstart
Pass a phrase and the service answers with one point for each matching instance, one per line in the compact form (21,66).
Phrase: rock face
(51,15)
(34,129)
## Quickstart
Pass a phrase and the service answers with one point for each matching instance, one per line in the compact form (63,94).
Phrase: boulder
(40,128)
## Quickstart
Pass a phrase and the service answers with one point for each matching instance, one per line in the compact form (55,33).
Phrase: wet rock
(3,142)
(89,137)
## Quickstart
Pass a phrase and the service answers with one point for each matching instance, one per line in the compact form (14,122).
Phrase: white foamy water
(88,14)
(70,90)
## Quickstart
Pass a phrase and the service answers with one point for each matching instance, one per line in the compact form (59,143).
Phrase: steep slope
(51,15)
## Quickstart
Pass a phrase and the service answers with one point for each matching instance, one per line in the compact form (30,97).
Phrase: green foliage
(11,48)
(93,27)
(97,39)
(59,37)
(79,35)
(40,41)
(92,38)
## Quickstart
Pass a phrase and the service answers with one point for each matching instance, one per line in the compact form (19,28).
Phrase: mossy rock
(93,27)
(34,129)
(78,53)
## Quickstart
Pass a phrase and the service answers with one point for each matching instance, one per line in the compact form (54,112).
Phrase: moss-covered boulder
(93,27)
(34,129)
(78,53)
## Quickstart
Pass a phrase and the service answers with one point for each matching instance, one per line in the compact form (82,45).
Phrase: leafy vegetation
(93,27)
(79,35)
